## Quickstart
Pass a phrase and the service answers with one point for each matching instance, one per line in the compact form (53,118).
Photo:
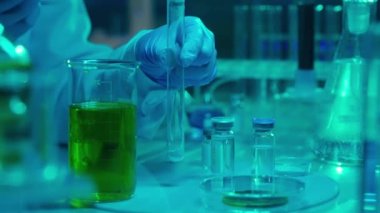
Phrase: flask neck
(357,16)
(356,21)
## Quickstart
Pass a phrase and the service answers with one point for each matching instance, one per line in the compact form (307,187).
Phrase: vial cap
(222,123)
(263,123)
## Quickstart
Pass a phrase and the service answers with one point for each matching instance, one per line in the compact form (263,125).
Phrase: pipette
(175,98)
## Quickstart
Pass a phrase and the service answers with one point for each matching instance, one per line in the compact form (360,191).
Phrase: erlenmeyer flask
(339,138)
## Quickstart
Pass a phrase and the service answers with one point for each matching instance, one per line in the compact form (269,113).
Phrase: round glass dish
(232,193)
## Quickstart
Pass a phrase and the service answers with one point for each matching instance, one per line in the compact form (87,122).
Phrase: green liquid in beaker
(102,146)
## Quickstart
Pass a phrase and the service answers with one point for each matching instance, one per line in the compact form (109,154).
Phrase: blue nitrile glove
(18,16)
(197,53)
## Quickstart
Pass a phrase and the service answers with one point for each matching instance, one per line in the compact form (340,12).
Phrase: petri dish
(233,193)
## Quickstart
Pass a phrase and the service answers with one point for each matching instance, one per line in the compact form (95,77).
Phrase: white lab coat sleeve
(60,33)
(150,95)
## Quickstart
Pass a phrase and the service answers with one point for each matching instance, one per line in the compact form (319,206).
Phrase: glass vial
(222,146)
(263,164)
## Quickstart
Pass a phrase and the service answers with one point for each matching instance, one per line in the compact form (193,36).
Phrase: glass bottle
(222,146)
(339,134)
(263,148)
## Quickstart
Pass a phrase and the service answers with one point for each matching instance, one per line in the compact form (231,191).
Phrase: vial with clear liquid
(263,148)
(222,146)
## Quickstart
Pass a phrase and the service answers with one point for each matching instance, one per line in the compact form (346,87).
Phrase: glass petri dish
(245,192)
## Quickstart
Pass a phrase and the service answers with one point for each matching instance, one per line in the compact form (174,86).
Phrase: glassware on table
(263,155)
(102,127)
(222,146)
(263,148)
(235,194)
(339,137)
(339,142)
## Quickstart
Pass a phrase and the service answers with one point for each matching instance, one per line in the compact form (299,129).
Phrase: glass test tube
(175,97)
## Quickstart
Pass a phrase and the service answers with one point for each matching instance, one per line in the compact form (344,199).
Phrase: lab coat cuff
(149,93)
(151,105)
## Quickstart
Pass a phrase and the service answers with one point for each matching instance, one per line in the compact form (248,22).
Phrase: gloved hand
(197,53)
(17,16)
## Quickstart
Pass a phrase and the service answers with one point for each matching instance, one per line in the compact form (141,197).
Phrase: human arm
(61,32)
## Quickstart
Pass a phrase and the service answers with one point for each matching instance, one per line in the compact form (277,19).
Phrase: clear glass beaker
(102,127)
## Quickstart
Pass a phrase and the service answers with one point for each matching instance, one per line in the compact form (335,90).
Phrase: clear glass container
(339,138)
(235,194)
(222,146)
(102,127)
(263,146)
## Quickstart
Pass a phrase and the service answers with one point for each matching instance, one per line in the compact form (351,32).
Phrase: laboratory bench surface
(164,186)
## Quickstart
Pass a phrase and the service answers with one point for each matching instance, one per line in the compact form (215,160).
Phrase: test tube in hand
(175,100)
